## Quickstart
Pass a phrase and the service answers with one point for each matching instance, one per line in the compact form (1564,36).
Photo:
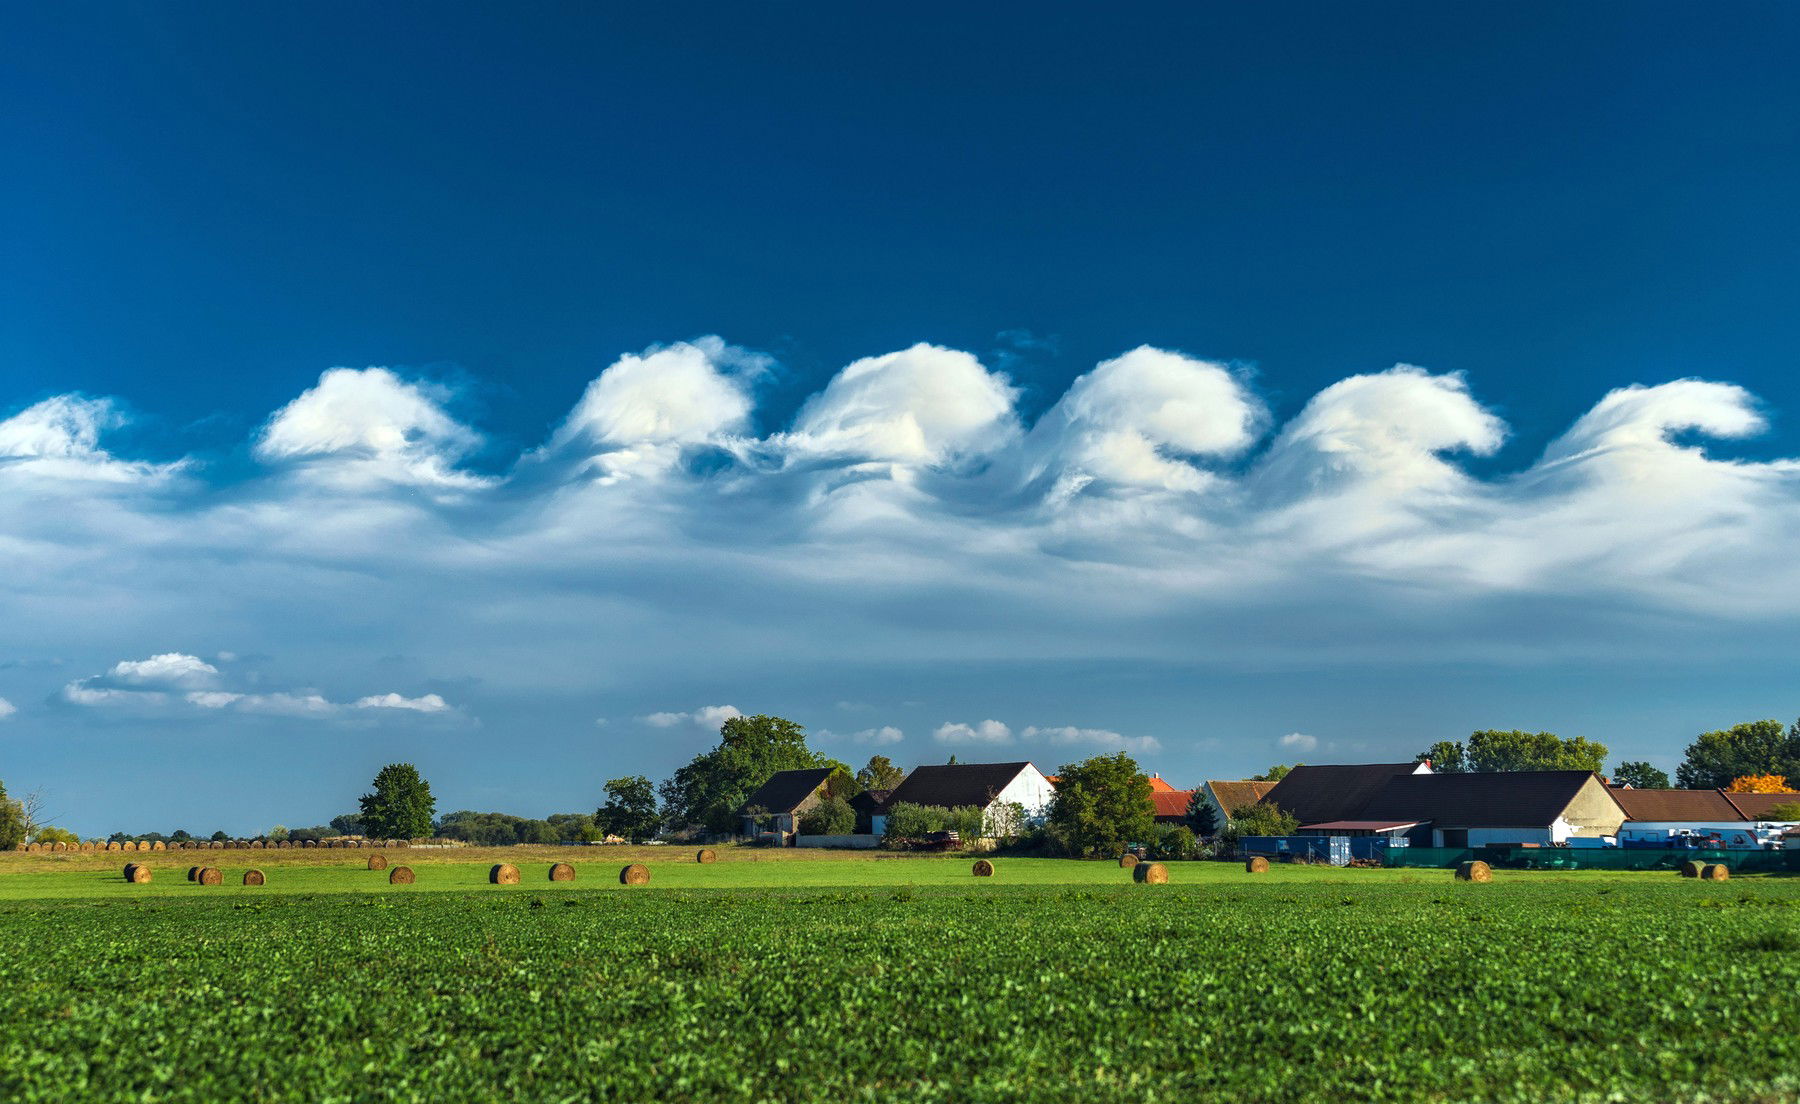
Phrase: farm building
(1338,791)
(1693,818)
(1756,806)
(1473,810)
(1226,797)
(987,786)
(778,804)
(1171,804)
(865,805)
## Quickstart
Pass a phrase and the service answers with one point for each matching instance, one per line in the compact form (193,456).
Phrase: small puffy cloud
(924,405)
(360,427)
(987,732)
(59,438)
(1299,741)
(168,669)
(1096,737)
(7,709)
(277,705)
(707,716)
(886,734)
(428,703)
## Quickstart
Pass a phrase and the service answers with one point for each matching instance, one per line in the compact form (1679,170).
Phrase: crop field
(905,979)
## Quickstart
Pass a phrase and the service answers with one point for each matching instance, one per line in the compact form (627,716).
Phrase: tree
(1639,775)
(1262,819)
(12,822)
(278,833)
(1759,784)
(1789,811)
(1275,773)
(1492,750)
(1201,817)
(401,805)
(350,824)
(711,789)
(630,809)
(1101,805)
(880,774)
(1445,757)
(181,835)
(830,817)
(842,782)
(220,836)
(49,833)
(1755,747)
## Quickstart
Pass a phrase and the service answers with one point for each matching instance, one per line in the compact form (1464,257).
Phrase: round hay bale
(1692,868)
(254,877)
(635,874)
(1715,872)
(400,875)
(1150,874)
(402,843)
(983,869)
(112,845)
(334,843)
(88,846)
(310,843)
(256,845)
(137,873)
(1474,871)
(377,861)
(1257,865)
(37,847)
(503,874)
(706,855)
(59,845)
(562,872)
(210,875)
(1128,861)
(284,844)
(194,873)
(159,845)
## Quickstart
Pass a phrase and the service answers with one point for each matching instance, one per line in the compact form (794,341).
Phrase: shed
(1472,810)
(785,796)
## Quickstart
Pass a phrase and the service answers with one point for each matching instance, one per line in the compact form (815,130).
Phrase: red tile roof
(1171,803)
(1157,785)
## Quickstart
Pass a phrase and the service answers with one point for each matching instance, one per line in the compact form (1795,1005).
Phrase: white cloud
(886,734)
(986,732)
(707,716)
(7,709)
(1097,737)
(428,703)
(359,427)
(168,669)
(59,438)
(1299,741)
(922,405)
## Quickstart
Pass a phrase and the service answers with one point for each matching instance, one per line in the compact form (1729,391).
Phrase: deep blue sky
(204,206)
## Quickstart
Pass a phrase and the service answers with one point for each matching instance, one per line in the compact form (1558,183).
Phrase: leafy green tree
(842,783)
(1202,819)
(12,822)
(1755,747)
(1789,811)
(1263,819)
(880,774)
(574,826)
(349,824)
(907,822)
(217,837)
(1493,750)
(630,809)
(1275,773)
(1101,805)
(49,833)
(1639,775)
(1175,841)
(401,806)
(830,817)
(711,789)
(1445,757)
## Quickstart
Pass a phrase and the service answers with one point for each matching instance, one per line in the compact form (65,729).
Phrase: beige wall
(1594,812)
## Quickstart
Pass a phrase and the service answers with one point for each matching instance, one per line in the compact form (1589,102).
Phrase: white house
(988,786)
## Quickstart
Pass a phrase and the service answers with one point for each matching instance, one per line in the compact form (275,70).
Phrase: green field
(893,979)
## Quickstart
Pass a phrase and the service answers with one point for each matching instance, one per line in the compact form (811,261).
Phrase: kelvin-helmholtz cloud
(908,510)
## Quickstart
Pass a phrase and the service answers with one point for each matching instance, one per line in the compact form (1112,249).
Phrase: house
(866,805)
(988,786)
(778,804)
(1474,810)
(1338,791)
(1170,804)
(1227,797)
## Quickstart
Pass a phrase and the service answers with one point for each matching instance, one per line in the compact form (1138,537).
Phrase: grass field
(861,978)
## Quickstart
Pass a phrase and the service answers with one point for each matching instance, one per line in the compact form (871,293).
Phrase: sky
(520,390)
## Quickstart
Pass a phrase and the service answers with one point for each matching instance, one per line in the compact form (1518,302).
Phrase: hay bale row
(137,873)
(400,875)
(706,855)
(562,872)
(503,874)
(1474,871)
(635,875)
(983,869)
(1150,874)
(1256,865)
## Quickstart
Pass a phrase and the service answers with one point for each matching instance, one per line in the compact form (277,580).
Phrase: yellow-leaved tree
(1759,783)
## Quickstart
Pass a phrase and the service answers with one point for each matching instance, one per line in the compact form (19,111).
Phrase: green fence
(1594,858)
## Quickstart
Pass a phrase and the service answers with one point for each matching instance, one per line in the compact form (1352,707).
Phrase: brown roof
(950,785)
(1171,803)
(1674,804)
(1316,794)
(785,790)
(1501,799)
(1754,806)
(1233,796)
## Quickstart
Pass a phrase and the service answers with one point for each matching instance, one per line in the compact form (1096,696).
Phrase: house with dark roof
(778,804)
(1227,797)
(1336,791)
(865,805)
(987,786)
(1474,810)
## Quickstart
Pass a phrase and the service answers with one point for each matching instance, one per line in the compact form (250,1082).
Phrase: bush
(1789,811)
(1175,841)
(907,822)
(1259,819)
(830,817)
